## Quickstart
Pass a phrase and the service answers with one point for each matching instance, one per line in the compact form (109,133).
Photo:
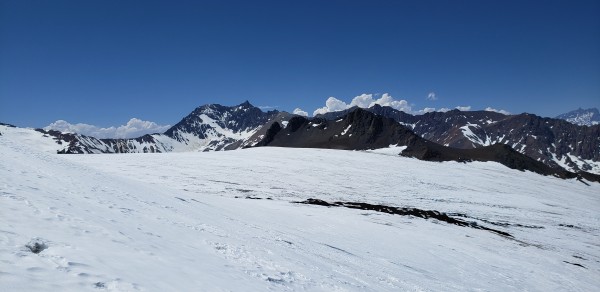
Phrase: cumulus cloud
(368,100)
(331,105)
(431,96)
(489,109)
(363,101)
(388,100)
(134,128)
(300,112)
(424,111)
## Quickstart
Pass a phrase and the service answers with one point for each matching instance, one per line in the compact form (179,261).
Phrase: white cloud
(431,96)
(363,101)
(489,109)
(424,111)
(134,128)
(388,100)
(366,100)
(331,105)
(300,112)
(267,107)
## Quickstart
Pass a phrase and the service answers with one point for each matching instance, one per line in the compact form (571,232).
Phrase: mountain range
(544,145)
(555,142)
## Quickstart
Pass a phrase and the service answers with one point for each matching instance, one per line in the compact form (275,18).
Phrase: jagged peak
(246,104)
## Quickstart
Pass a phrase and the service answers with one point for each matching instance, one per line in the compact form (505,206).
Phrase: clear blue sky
(104,62)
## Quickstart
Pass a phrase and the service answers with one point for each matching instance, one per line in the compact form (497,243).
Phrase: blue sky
(104,62)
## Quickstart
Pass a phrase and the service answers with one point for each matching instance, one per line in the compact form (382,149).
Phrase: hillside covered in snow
(232,221)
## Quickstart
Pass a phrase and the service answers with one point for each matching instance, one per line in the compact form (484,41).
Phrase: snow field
(181,221)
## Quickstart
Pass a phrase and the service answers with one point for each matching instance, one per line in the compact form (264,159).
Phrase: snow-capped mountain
(208,127)
(217,127)
(555,142)
(582,117)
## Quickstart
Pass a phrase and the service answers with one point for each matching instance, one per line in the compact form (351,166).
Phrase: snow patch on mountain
(346,130)
(479,140)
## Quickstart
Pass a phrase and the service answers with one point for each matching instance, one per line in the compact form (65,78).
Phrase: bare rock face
(358,130)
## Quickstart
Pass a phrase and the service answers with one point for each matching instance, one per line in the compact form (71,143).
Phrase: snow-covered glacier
(229,221)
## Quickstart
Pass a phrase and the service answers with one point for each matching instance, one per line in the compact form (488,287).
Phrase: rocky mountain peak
(217,126)
(246,104)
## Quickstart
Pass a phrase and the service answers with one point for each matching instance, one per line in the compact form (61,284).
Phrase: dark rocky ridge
(361,130)
(542,139)
(281,117)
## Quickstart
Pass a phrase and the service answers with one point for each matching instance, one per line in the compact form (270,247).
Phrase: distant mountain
(555,142)
(582,117)
(217,127)
(209,127)
(360,130)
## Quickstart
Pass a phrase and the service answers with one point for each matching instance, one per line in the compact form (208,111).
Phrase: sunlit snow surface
(172,222)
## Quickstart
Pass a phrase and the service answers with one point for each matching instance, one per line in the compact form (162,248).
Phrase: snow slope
(182,222)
